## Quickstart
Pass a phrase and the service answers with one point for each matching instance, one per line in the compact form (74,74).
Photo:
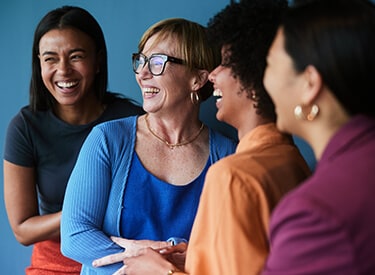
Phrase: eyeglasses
(156,62)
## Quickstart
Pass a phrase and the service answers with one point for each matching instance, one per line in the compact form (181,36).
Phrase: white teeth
(67,84)
(217,92)
(151,90)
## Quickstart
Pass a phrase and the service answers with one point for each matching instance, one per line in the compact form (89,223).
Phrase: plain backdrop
(123,22)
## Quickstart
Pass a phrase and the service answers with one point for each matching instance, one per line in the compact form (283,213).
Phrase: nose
(212,75)
(145,71)
(64,66)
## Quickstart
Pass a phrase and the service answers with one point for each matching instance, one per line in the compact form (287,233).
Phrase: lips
(151,90)
(217,93)
(67,84)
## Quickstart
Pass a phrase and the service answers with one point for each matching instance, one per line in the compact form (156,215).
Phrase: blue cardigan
(94,196)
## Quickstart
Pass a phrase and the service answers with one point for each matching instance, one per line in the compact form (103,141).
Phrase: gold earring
(194,97)
(253,95)
(298,113)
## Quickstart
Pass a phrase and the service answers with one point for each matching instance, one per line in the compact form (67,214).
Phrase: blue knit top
(94,198)
(154,211)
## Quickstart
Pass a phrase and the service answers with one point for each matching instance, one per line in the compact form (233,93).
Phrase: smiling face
(170,89)
(232,103)
(68,63)
(283,84)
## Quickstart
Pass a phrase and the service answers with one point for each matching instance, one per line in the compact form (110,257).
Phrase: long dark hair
(66,17)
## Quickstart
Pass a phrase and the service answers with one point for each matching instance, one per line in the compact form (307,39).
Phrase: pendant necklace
(172,145)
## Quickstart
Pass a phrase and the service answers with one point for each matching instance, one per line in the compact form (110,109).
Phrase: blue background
(123,23)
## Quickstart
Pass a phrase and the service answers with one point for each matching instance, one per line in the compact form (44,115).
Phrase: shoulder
(218,138)
(234,170)
(123,106)
(220,145)
(300,210)
(26,118)
(117,132)
(24,113)
(117,125)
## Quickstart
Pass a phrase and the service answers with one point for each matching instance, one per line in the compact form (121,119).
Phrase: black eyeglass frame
(165,58)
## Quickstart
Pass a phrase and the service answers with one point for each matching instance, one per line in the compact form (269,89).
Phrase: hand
(132,248)
(175,254)
(148,261)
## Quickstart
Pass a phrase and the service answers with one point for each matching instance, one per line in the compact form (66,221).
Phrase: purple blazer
(327,224)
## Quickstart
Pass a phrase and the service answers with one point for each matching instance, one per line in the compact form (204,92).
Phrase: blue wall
(123,22)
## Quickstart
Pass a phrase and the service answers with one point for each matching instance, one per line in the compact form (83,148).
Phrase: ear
(199,80)
(312,86)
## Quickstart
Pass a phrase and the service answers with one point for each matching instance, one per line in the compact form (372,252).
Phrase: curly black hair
(247,28)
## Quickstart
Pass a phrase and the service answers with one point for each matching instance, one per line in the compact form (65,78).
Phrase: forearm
(21,202)
(85,244)
(38,228)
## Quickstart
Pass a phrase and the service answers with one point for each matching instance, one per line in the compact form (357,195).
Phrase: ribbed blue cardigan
(94,195)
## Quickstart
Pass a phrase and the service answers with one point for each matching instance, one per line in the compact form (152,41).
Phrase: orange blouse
(230,231)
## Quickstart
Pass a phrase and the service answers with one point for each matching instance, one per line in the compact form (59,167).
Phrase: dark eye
(49,59)
(77,57)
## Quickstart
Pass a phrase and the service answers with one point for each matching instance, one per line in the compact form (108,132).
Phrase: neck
(251,123)
(80,114)
(173,145)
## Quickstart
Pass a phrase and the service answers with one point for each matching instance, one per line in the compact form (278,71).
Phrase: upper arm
(228,235)
(20,193)
(86,202)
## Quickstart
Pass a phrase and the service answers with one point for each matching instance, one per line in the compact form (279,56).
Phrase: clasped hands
(145,257)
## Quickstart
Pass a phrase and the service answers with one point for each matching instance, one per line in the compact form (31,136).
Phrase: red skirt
(47,259)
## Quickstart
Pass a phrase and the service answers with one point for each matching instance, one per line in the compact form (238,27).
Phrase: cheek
(88,70)
(45,73)
(270,83)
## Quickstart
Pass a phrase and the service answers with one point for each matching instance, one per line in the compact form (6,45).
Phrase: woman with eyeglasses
(140,178)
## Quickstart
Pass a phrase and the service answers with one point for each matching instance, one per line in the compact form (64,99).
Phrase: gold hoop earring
(194,97)
(298,113)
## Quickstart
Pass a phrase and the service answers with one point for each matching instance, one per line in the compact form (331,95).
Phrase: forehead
(277,46)
(57,39)
(157,43)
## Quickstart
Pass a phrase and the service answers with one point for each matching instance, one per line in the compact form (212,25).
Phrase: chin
(221,117)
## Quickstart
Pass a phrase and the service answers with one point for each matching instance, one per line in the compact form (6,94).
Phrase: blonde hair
(192,47)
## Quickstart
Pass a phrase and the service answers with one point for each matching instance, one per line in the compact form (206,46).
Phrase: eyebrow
(70,52)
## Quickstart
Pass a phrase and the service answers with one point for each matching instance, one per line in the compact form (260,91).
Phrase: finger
(110,259)
(120,241)
(179,248)
(160,245)
(121,271)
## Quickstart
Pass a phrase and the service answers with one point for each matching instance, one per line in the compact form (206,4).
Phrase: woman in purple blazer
(320,75)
